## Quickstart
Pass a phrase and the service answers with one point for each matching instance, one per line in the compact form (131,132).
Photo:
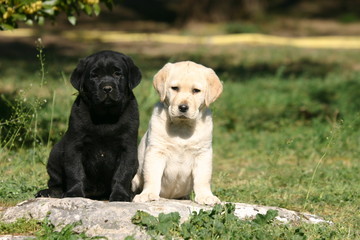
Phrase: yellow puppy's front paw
(146,197)
(207,200)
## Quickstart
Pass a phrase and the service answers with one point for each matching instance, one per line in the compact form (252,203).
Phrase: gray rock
(113,219)
(10,237)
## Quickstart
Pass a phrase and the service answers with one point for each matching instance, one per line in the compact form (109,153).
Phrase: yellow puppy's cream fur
(175,154)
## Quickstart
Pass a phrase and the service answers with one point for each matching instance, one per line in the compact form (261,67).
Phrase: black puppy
(97,156)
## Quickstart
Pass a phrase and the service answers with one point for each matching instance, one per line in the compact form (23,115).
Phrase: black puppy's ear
(77,75)
(134,73)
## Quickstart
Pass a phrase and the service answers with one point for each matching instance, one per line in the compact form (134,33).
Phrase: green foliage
(261,219)
(35,11)
(21,226)
(19,189)
(48,232)
(218,223)
(199,225)
(348,17)
(129,238)
(212,224)
(221,223)
(165,224)
(19,125)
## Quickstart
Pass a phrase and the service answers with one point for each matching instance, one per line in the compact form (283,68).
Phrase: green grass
(21,226)
(286,129)
(43,230)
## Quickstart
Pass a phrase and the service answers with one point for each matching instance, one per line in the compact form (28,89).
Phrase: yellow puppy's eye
(175,88)
(195,90)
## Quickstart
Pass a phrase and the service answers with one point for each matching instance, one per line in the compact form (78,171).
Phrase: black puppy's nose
(107,89)
(183,108)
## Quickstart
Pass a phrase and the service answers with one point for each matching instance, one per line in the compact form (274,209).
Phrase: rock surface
(113,219)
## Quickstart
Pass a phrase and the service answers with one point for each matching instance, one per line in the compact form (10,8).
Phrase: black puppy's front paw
(43,193)
(75,191)
(121,196)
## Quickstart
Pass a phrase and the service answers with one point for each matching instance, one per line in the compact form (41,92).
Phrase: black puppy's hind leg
(55,171)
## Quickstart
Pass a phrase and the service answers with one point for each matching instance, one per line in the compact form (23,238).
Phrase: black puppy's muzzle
(107,87)
(108,92)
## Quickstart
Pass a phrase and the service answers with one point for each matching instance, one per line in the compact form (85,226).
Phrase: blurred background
(286,128)
(280,17)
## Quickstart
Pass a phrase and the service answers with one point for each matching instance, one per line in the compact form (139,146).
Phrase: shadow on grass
(300,68)
(20,58)
(243,71)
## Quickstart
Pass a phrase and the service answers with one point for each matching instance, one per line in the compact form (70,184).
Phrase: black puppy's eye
(117,74)
(93,75)
(195,90)
(175,88)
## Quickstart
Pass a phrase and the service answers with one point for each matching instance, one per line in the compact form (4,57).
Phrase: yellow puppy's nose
(183,108)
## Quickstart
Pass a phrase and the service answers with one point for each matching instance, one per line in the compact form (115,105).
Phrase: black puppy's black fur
(97,156)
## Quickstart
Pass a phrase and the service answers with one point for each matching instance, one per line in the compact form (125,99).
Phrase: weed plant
(286,128)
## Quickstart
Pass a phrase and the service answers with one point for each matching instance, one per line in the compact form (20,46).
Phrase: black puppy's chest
(101,156)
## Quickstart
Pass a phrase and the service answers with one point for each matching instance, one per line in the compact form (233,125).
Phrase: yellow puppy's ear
(214,89)
(160,81)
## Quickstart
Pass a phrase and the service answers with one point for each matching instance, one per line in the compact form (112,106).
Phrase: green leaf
(109,4)
(144,219)
(88,9)
(5,26)
(49,3)
(49,11)
(97,9)
(29,22)
(19,17)
(41,20)
(81,5)
(262,219)
(72,20)
(170,217)
(129,238)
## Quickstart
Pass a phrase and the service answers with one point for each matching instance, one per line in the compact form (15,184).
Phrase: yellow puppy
(175,154)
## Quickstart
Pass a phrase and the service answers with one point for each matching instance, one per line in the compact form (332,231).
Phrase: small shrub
(33,11)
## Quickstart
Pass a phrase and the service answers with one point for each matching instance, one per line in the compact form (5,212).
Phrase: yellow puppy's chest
(182,147)
(177,179)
